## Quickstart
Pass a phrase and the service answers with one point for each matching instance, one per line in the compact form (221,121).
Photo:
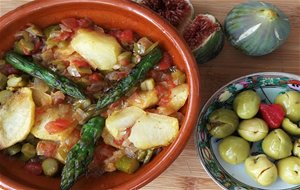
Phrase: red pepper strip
(272,114)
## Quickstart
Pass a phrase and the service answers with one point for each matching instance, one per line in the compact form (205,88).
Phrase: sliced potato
(179,95)
(120,120)
(154,130)
(16,118)
(41,98)
(109,139)
(4,95)
(143,99)
(99,49)
(51,114)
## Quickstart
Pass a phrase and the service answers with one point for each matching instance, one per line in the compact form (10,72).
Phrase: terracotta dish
(109,14)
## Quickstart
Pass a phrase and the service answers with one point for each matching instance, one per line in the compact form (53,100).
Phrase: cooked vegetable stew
(77,98)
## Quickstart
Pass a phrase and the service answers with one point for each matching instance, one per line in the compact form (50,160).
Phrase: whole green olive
(246,104)
(234,150)
(222,123)
(277,144)
(296,148)
(289,170)
(290,127)
(291,103)
(253,130)
(262,170)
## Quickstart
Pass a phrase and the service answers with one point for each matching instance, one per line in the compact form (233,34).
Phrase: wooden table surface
(186,172)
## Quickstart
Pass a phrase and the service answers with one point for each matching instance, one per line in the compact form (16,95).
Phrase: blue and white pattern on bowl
(234,177)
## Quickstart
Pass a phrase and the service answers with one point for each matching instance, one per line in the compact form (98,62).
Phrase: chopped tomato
(72,139)
(34,167)
(95,77)
(80,63)
(124,62)
(7,69)
(84,23)
(62,36)
(58,97)
(47,148)
(163,94)
(102,152)
(169,80)
(116,104)
(58,125)
(165,63)
(39,111)
(119,142)
(38,43)
(123,36)
(71,23)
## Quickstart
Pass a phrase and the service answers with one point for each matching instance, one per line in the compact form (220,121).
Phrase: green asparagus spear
(82,152)
(51,78)
(135,76)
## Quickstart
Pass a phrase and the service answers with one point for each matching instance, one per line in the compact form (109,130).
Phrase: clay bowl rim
(191,70)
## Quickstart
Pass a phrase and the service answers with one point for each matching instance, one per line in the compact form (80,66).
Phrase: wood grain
(186,172)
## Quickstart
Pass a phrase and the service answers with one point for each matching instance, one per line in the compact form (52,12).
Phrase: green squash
(256,28)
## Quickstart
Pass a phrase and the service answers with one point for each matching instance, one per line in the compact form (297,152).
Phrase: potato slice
(16,118)
(120,120)
(99,49)
(154,130)
(179,95)
(51,114)
(143,99)
(41,98)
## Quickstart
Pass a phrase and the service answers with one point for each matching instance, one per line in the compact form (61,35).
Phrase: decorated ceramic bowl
(122,14)
(234,177)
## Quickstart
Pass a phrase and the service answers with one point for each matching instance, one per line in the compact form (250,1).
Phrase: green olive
(291,103)
(296,148)
(246,104)
(290,127)
(277,144)
(289,170)
(222,123)
(50,166)
(28,150)
(253,130)
(262,170)
(234,150)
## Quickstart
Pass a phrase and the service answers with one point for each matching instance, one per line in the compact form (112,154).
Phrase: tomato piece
(39,111)
(80,63)
(72,139)
(165,63)
(169,80)
(84,23)
(71,23)
(62,36)
(125,62)
(163,94)
(58,125)
(47,148)
(123,36)
(102,152)
(95,77)
(58,97)
(119,142)
(34,167)
(7,69)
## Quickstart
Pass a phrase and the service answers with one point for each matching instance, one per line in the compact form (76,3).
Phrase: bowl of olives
(248,133)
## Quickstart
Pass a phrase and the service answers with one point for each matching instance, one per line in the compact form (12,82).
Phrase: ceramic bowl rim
(207,103)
